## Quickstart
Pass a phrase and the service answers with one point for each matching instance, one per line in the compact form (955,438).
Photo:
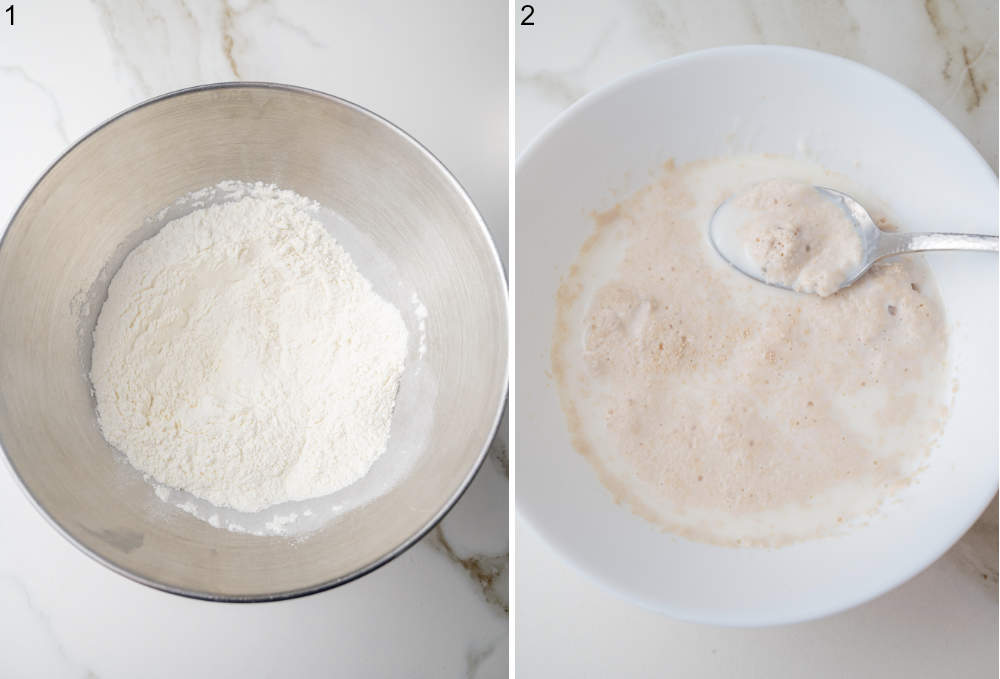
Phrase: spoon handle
(898,243)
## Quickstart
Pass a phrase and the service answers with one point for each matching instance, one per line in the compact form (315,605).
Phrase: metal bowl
(92,201)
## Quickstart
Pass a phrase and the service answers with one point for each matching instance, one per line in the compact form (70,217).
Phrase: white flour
(242,357)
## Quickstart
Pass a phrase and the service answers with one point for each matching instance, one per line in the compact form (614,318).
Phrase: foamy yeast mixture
(790,234)
(729,411)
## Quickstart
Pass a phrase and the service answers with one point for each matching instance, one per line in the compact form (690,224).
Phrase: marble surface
(438,70)
(944,621)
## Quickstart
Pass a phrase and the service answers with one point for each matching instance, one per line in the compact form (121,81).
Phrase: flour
(242,357)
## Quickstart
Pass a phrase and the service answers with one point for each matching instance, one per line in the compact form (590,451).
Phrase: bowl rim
(449,502)
(535,523)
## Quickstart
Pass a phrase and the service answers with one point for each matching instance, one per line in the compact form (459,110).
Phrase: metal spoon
(876,244)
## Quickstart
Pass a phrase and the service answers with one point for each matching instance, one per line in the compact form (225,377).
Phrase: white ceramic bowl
(781,100)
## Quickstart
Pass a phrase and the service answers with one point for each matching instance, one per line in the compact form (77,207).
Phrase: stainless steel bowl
(93,199)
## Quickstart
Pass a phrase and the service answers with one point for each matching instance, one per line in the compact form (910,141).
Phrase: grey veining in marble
(945,50)
(19,72)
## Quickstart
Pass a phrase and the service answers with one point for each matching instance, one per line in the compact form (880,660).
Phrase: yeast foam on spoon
(790,234)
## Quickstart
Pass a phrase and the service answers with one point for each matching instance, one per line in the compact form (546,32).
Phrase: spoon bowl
(875,243)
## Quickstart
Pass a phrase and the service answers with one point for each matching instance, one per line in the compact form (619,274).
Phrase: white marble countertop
(438,70)
(943,623)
